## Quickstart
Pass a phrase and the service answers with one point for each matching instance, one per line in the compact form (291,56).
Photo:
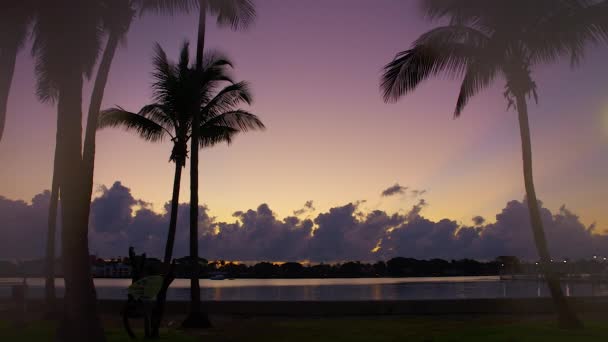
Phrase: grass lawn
(347,329)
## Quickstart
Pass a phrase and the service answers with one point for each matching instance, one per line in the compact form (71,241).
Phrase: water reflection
(343,289)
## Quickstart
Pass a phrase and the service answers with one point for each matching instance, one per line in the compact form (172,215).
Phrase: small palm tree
(237,14)
(508,38)
(177,89)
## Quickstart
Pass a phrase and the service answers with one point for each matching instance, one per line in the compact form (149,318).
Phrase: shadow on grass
(429,329)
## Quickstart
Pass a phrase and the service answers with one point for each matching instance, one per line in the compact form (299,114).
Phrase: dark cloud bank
(118,221)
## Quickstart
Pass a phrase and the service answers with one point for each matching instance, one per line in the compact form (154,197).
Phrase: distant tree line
(396,267)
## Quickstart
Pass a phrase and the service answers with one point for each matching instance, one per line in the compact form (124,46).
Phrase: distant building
(109,268)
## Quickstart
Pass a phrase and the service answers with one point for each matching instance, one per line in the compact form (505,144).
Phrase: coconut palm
(116,16)
(237,14)
(488,39)
(177,89)
(15,18)
(66,44)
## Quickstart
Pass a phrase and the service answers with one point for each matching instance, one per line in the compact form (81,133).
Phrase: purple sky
(314,67)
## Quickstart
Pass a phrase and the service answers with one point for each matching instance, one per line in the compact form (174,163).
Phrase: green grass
(352,330)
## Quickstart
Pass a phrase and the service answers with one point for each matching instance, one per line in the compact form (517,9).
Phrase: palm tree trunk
(99,87)
(567,317)
(81,321)
(174,211)
(196,318)
(8,59)
(161,298)
(49,285)
(89,163)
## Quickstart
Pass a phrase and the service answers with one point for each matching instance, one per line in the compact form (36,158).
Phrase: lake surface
(338,289)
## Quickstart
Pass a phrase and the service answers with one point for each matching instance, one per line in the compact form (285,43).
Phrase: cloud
(112,211)
(308,207)
(394,190)
(23,227)
(347,232)
(478,220)
(418,193)
(258,235)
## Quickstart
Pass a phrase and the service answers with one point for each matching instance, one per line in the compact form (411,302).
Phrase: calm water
(339,289)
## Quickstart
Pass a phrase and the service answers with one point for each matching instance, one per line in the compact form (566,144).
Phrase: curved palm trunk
(81,321)
(196,318)
(95,107)
(161,298)
(567,317)
(8,59)
(49,285)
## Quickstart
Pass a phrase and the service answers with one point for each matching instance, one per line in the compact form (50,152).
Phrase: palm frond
(459,12)
(159,114)
(211,135)
(239,119)
(166,7)
(411,67)
(568,30)
(227,99)
(162,67)
(453,34)
(238,14)
(446,49)
(117,16)
(507,35)
(478,76)
(58,48)
(184,56)
(216,67)
(165,75)
(144,127)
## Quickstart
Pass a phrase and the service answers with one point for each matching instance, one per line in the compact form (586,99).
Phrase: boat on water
(217,277)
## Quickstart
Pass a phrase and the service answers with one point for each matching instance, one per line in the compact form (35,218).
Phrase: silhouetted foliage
(179,87)
(487,39)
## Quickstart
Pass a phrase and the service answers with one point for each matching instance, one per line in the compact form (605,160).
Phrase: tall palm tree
(66,44)
(177,89)
(15,18)
(117,16)
(508,38)
(237,14)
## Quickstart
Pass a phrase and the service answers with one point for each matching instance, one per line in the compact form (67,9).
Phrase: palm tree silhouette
(117,16)
(177,89)
(487,39)
(15,18)
(66,44)
(237,14)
